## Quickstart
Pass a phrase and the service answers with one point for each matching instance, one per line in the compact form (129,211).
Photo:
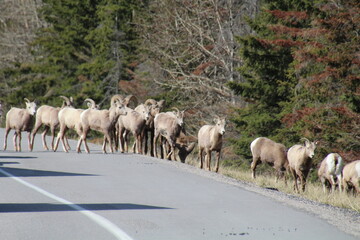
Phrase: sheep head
(179,116)
(30,106)
(310,147)
(220,125)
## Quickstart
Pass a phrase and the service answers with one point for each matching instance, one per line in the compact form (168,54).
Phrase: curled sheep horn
(67,101)
(92,103)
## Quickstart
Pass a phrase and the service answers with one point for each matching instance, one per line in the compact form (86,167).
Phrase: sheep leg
(110,141)
(121,140)
(83,138)
(43,137)
(156,136)
(134,146)
(59,136)
(332,183)
(19,142)
(302,181)
(126,140)
(67,143)
(7,130)
(104,145)
(339,180)
(322,180)
(208,159)
(29,141)
(15,141)
(138,142)
(254,164)
(201,157)
(151,142)
(36,128)
(218,153)
(295,180)
(52,129)
(171,155)
(145,141)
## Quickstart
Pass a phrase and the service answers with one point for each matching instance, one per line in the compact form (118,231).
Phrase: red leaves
(292,17)
(292,118)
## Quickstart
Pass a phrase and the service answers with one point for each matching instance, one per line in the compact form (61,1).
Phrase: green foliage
(301,77)
(83,51)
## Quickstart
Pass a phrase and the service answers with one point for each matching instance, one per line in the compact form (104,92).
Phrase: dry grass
(313,191)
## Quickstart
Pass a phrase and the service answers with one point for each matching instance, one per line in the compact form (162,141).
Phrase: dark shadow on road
(47,207)
(18,157)
(22,172)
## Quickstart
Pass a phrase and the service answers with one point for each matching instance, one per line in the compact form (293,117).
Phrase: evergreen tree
(302,76)
(82,52)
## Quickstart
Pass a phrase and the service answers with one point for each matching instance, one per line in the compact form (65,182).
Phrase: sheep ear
(161,104)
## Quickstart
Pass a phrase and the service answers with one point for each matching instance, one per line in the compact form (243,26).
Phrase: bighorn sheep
(300,160)
(210,139)
(100,120)
(48,116)
(185,145)
(155,108)
(330,169)
(133,122)
(20,119)
(267,151)
(351,176)
(168,125)
(69,118)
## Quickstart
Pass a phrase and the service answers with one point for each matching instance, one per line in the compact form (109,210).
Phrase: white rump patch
(357,168)
(252,145)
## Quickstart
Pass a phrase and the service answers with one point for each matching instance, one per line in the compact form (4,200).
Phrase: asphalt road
(47,195)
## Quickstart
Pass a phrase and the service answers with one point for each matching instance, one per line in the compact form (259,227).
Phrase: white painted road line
(103,222)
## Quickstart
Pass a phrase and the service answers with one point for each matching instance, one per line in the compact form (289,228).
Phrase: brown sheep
(267,151)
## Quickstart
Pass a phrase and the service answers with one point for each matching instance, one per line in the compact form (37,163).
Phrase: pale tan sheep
(102,121)
(330,171)
(20,119)
(169,126)
(351,176)
(48,116)
(210,138)
(300,161)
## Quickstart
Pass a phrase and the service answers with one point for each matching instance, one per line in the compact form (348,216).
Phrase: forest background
(283,69)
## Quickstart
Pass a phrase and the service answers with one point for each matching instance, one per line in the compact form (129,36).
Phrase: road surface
(56,195)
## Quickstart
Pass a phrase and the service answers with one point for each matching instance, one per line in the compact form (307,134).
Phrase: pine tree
(302,76)
(83,52)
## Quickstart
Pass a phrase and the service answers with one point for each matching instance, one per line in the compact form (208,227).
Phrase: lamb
(267,151)
(168,125)
(20,119)
(210,139)
(100,120)
(48,116)
(300,160)
(133,122)
(351,176)
(69,118)
(330,169)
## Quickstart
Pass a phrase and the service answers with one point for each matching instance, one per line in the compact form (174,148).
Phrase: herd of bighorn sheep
(297,160)
(147,119)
